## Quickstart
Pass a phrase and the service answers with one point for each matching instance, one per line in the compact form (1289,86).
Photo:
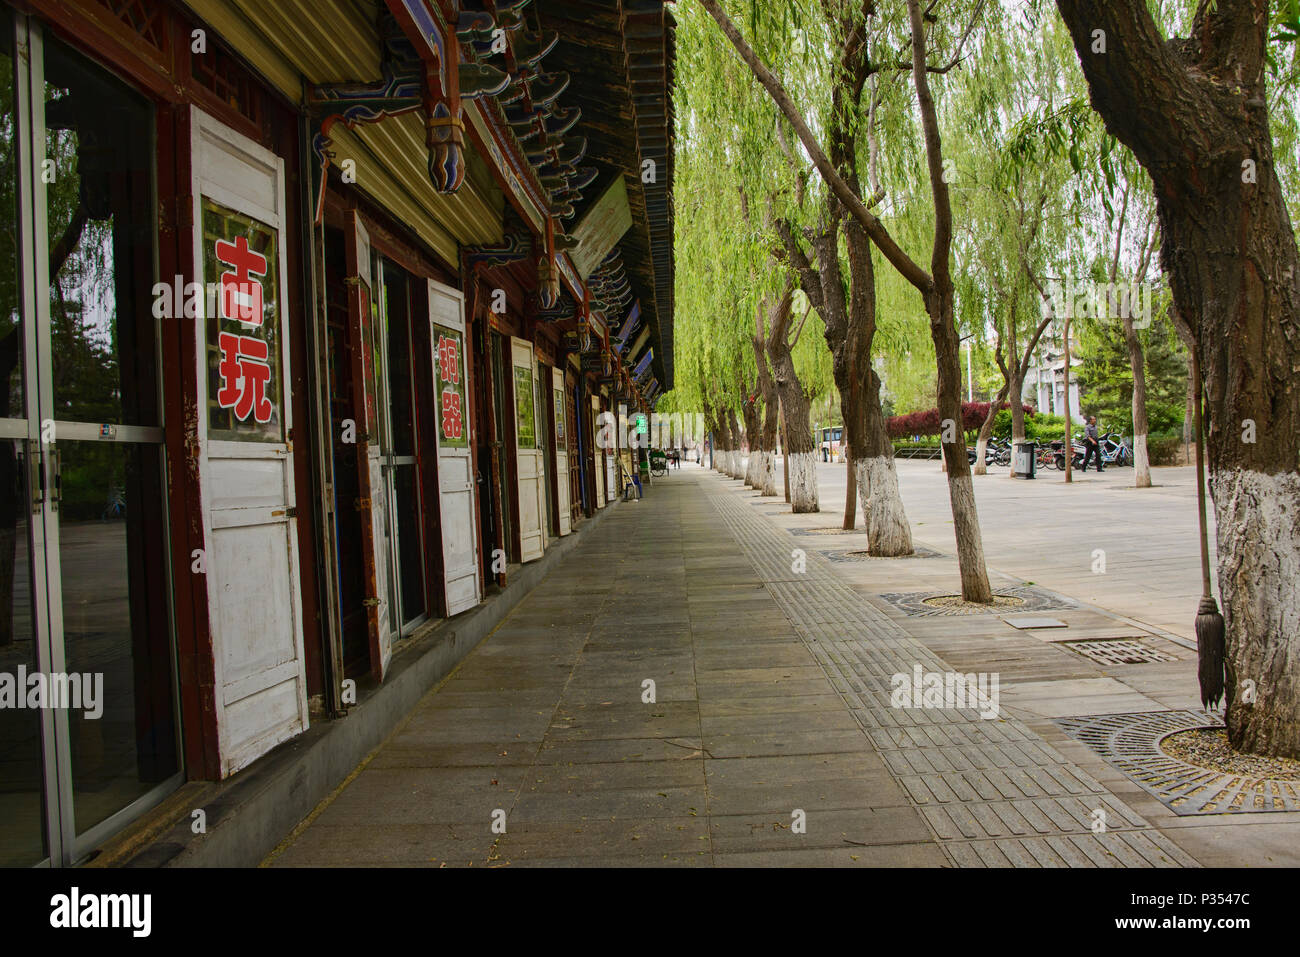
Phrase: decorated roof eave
(627,98)
(458,88)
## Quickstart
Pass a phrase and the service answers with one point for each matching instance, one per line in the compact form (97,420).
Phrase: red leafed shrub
(927,422)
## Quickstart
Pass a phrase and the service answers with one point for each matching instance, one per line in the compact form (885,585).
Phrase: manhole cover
(863,555)
(1117,651)
(1131,743)
(1021,598)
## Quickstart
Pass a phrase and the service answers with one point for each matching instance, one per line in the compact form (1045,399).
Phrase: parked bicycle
(1114,450)
(998,452)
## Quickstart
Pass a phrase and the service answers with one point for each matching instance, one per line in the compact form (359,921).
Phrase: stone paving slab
(972,812)
(772,697)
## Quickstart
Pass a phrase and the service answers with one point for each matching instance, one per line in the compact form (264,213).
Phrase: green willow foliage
(1032,173)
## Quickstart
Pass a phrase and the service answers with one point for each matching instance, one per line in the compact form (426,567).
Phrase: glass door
(84,596)
(400,464)
(26,734)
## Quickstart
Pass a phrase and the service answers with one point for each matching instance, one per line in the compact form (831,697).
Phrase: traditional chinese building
(315,307)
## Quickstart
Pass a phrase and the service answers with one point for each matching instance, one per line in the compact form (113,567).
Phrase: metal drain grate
(1117,651)
(1131,744)
(913,604)
(862,555)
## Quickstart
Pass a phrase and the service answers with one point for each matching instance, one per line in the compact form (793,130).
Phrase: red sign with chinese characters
(241,295)
(448,360)
(243,327)
(244,374)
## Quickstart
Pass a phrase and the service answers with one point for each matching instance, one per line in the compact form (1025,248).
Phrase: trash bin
(1026,459)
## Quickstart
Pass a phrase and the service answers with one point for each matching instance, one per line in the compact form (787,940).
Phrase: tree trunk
(771,415)
(1014,373)
(1229,249)
(850,327)
(1137,362)
(1069,426)
(785,452)
(735,458)
(1015,389)
(986,429)
(850,493)
(961,488)
(749,410)
(1189,421)
(711,433)
(939,299)
(800,451)
(721,441)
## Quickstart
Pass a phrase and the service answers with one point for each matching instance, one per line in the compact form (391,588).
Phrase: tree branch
(910,270)
(940,262)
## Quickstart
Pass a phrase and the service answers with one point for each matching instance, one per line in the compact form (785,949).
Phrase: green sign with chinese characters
(525,417)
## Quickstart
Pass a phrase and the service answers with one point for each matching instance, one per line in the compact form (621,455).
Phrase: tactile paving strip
(1131,744)
(993,792)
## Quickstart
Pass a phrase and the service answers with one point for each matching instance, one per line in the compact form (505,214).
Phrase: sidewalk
(770,739)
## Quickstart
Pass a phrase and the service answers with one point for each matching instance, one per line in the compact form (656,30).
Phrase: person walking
(1091,444)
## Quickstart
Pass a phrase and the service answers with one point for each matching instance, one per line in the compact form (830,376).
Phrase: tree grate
(1131,744)
(914,604)
(1117,651)
(862,555)
(827,530)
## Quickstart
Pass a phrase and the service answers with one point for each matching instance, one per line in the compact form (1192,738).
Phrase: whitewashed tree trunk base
(981,466)
(1259,568)
(803,482)
(1141,462)
(767,476)
(888,531)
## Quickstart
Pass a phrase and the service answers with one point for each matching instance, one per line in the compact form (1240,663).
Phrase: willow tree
(935,285)
(1018,196)
(848,310)
(1229,249)
(728,282)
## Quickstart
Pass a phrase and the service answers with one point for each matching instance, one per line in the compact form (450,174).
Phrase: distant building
(1044,383)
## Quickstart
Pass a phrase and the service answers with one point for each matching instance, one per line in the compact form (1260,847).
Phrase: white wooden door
(528,457)
(597,452)
(561,453)
(368,395)
(612,489)
(455,456)
(245,454)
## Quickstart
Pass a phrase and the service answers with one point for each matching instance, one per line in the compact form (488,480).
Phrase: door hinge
(372,602)
(361,504)
(291,511)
